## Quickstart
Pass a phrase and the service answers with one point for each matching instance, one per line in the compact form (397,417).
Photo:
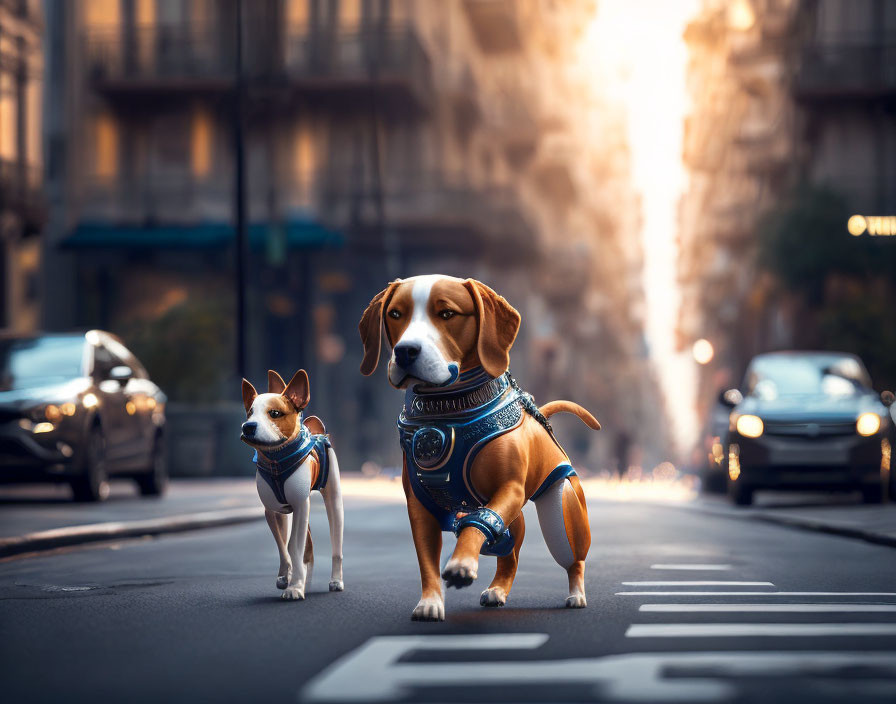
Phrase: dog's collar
(284,458)
(474,391)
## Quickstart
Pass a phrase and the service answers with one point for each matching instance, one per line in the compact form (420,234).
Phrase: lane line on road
(699,583)
(739,630)
(768,608)
(684,593)
(695,568)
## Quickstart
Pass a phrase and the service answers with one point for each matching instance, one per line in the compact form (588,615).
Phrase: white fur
(297,490)
(553,526)
(267,432)
(430,366)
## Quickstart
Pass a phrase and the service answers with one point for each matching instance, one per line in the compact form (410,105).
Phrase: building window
(105,147)
(102,13)
(349,15)
(8,118)
(145,12)
(33,134)
(201,147)
(304,162)
(297,15)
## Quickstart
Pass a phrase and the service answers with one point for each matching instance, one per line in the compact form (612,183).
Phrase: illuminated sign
(874,225)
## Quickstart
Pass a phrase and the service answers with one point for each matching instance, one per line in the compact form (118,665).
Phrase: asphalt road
(196,617)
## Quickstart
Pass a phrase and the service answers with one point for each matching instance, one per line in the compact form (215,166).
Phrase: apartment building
(384,138)
(22,211)
(785,92)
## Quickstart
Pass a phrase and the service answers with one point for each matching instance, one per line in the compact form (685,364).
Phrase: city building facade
(22,208)
(383,139)
(789,97)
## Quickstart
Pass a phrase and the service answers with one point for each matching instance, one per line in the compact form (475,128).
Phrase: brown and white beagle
(451,340)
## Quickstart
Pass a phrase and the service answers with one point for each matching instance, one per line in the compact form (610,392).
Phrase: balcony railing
(434,210)
(847,70)
(389,59)
(155,200)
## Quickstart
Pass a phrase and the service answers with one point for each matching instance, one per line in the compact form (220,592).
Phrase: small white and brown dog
(293,457)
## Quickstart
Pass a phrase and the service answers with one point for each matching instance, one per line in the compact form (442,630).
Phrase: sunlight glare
(635,53)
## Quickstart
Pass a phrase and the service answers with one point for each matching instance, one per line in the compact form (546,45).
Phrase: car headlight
(868,424)
(749,426)
(52,412)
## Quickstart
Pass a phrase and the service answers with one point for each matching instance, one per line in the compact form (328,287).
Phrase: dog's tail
(549,409)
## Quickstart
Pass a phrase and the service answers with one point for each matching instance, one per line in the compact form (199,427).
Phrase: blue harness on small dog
(277,466)
(442,431)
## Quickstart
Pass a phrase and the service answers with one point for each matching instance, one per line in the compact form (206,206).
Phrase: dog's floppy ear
(499,323)
(276,385)
(298,390)
(249,394)
(371,328)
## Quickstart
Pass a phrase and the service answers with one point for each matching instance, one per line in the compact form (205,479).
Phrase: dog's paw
(282,581)
(429,609)
(460,573)
(576,601)
(493,596)
(293,594)
(337,585)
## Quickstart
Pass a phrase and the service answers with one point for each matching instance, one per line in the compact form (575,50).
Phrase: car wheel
(155,481)
(872,494)
(93,484)
(740,494)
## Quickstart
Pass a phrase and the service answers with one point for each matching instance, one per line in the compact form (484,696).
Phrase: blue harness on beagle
(277,466)
(441,431)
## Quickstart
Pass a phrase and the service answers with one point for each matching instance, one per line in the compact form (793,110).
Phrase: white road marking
(768,608)
(695,568)
(375,672)
(703,583)
(683,593)
(740,630)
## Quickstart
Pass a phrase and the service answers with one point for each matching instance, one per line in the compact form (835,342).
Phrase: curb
(809,524)
(831,529)
(96,532)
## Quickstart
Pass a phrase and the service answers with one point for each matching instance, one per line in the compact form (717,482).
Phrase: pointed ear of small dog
(249,394)
(276,385)
(499,323)
(371,329)
(298,390)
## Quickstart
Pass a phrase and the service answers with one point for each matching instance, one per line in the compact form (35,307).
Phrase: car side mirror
(730,398)
(887,398)
(122,373)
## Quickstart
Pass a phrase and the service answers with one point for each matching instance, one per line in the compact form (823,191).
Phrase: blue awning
(300,234)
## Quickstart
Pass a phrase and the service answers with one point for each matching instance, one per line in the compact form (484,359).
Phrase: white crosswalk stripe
(693,568)
(698,583)
(675,619)
(768,608)
(745,630)
(702,593)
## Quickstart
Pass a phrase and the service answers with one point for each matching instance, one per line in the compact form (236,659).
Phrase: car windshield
(40,361)
(773,377)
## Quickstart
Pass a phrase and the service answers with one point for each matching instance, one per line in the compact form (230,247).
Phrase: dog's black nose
(249,429)
(406,353)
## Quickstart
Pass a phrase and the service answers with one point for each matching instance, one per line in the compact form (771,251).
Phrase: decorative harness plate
(441,432)
(277,466)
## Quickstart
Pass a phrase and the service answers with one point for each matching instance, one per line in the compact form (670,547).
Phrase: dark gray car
(808,420)
(79,408)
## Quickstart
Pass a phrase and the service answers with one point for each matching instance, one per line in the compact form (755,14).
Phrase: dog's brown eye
(274,413)
(446,314)
(395,314)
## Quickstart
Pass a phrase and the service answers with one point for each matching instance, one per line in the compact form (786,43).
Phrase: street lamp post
(239,192)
